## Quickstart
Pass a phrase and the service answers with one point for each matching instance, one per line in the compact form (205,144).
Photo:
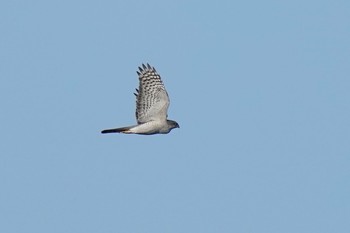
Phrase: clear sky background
(261,90)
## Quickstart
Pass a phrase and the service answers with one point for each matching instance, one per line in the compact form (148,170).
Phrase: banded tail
(117,130)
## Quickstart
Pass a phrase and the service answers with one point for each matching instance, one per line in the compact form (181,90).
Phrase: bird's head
(173,124)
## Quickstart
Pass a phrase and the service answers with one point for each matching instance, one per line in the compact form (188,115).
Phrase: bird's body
(148,128)
(152,102)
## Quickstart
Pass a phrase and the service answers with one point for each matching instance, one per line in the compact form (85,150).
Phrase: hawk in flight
(152,102)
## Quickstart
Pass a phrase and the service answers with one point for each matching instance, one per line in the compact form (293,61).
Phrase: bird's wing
(152,100)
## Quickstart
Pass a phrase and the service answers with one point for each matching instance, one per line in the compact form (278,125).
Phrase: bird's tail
(118,130)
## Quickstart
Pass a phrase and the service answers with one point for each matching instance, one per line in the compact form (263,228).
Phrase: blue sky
(259,88)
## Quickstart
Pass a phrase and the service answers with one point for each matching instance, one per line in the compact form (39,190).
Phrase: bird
(152,102)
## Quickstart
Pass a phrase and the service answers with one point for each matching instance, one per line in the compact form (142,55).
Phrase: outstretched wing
(152,100)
